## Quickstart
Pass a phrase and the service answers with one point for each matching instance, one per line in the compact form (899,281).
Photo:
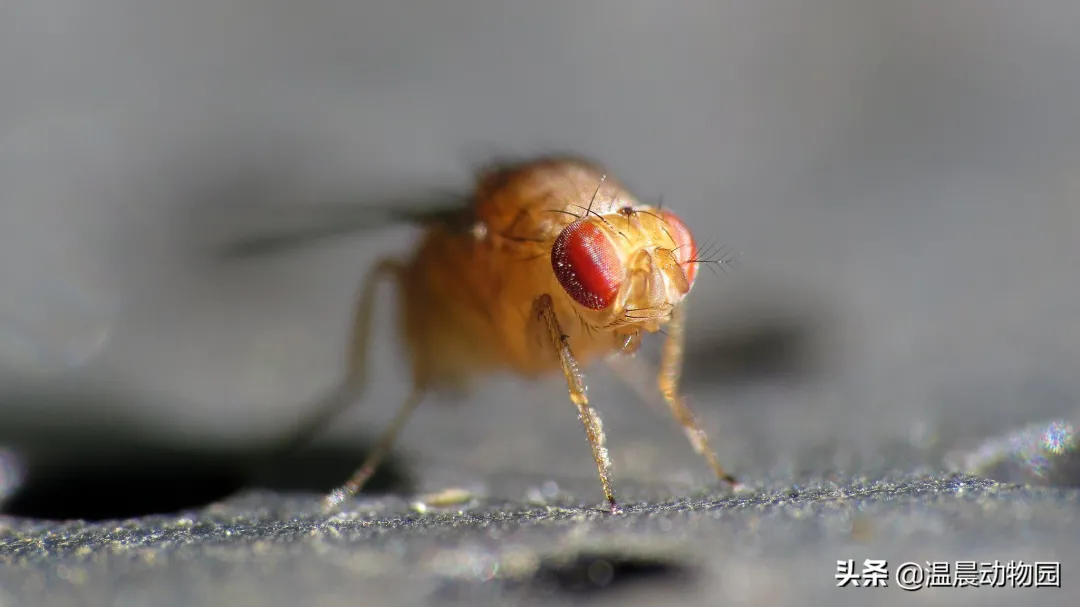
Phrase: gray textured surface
(777,546)
(899,176)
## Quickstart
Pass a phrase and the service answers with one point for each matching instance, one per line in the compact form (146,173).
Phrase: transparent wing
(253,230)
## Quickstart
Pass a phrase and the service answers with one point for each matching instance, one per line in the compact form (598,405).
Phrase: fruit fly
(552,265)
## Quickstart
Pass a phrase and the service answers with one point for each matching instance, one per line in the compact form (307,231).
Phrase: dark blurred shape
(760,345)
(591,572)
(573,576)
(93,462)
(1039,454)
(754,351)
(147,480)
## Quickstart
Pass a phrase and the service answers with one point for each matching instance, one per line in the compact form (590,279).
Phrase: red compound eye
(587,265)
(684,243)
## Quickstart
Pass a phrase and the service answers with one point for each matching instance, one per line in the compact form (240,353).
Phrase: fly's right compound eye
(685,247)
(587,265)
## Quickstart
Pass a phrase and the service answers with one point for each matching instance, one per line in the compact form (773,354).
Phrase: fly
(551,266)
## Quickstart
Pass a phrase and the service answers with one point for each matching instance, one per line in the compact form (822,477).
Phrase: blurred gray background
(899,177)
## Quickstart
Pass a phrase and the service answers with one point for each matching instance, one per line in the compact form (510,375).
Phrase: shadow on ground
(141,481)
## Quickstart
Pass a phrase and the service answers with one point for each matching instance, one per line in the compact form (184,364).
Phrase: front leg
(594,430)
(668,382)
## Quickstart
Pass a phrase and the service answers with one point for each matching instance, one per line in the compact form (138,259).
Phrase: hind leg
(386,442)
(319,415)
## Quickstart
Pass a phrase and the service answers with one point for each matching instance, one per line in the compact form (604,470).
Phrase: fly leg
(353,385)
(386,441)
(594,429)
(668,382)
(320,414)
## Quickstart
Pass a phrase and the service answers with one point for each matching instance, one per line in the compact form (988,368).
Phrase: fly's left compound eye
(587,265)
(685,247)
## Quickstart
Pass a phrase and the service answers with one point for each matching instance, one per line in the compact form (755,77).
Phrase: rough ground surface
(776,543)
